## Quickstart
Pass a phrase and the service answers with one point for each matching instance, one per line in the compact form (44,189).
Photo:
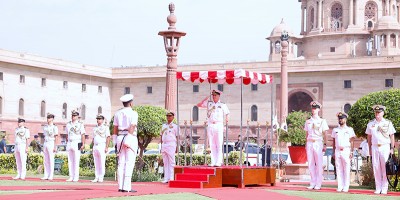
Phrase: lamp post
(171,44)
(284,76)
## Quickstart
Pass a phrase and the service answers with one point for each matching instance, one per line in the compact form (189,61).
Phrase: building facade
(345,50)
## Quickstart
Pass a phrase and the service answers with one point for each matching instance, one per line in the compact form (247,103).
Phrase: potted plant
(296,136)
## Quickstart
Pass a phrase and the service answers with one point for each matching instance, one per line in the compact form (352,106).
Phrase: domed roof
(387,22)
(277,31)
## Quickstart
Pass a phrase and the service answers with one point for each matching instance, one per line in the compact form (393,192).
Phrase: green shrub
(367,175)
(361,112)
(296,134)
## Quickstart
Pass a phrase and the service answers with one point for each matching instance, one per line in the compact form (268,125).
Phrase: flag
(275,124)
(203,103)
(284,125)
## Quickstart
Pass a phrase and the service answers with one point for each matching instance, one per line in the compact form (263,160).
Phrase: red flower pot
(298,154)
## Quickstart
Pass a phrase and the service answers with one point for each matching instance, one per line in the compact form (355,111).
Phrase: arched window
(392,40)
(277,47)
(99,110)
(370,11)
(311,19)
(64,111)
(1,105)
(43,109)
(346,107)
(337,16)
(195,114)
(21,107)
(254,114)
(83,112)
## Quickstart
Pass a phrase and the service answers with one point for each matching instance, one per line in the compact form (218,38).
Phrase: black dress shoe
(119,190)
(129,191)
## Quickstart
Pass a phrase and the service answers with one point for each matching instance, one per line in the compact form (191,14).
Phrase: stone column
(302,20)
(351,13)
(387,41)
(355,12)
(319,14)
(397,41)
(386,8)
(390,8)
(284,81)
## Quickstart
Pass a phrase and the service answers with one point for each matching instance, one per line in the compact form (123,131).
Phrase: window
(337,14)
(221,87)
(149,90)
(21,107)
(1,76)
(83,87)
(333,49)
(99,110)
(21,78)
(371,11)
(100,89)
(347,84)
(388,82)
(277,47)
(43,109)
(254,115)
(254,87)
(195,88)
(64,111)
(83,112)
(65,84)
(1,105)
(127,90)
(195,114)
(346,107)
(43,82)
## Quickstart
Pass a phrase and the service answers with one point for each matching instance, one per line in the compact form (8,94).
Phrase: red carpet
(85,190)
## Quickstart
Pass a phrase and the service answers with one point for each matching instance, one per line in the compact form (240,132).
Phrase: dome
(277,31)
(387,22)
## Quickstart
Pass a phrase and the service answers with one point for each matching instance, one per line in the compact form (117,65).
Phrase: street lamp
(171,44)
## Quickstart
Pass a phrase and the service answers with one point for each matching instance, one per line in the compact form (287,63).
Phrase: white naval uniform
(315,129)
(124,118)
(100,134)
(50,132)
(169,132)
(342,136)
(215,130)
(364,148)
(21,135)
(380,132)
(75,132)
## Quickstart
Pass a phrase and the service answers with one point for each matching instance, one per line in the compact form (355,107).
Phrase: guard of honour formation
(379,130)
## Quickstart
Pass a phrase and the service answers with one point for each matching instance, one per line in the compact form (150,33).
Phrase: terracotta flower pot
(298,154)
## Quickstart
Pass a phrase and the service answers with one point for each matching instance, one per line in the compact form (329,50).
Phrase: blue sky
(125,32)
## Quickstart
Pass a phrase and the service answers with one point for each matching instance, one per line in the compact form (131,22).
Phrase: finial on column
(171,19)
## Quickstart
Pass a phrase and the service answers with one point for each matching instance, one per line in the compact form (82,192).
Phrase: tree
(361,112)
(149,125)
(296,134)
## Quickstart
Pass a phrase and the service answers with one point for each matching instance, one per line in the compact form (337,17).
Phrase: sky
(116,33)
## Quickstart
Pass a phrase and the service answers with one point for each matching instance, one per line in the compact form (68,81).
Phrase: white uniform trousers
(20,159)
(379,157)
(48,157)
(342,161)
(314,159)
(215,134)
(126,161)
(74,156)
(99,157)
(168,155)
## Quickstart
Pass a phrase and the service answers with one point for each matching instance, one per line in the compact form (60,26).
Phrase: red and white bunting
(225,76)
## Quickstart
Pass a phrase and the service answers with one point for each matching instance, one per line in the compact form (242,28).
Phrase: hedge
(35,160)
